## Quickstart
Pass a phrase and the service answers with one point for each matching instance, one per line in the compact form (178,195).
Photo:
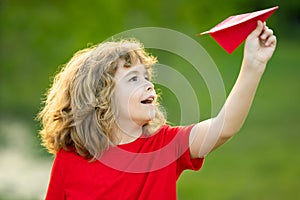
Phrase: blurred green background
(260,162)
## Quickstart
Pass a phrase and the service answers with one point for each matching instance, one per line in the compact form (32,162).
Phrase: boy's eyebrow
(146,72)
(131,73)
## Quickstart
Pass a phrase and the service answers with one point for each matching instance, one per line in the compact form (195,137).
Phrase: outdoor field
(260,162)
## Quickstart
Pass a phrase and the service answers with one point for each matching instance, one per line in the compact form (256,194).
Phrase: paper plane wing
(231,32)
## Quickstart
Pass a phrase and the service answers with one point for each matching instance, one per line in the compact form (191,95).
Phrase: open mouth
(149,100)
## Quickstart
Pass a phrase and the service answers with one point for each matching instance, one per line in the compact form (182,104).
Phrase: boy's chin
(152,114)
(146,119)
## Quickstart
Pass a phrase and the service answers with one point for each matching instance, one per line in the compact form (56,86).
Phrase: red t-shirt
(146,168)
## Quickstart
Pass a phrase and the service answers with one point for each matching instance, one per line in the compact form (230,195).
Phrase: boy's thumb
(258,29)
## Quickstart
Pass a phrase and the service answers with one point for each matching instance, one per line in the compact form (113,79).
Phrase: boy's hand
(259,47)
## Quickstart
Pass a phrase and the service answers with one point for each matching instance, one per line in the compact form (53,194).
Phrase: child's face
(134,95)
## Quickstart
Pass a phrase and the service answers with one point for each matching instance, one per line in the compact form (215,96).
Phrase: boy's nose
(149,86)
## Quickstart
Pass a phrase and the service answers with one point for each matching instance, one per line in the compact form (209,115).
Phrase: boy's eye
(147,78)
(134,78)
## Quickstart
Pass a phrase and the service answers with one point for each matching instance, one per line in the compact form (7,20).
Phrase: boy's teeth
(149,100)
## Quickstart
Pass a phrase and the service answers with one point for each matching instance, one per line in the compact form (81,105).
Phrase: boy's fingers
(266,33)
(271,40)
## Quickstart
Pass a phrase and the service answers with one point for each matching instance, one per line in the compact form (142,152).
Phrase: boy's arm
(210,134)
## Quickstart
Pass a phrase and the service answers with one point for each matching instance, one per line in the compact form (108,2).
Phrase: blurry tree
(37,36)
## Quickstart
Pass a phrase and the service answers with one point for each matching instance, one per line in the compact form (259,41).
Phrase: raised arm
(210,134)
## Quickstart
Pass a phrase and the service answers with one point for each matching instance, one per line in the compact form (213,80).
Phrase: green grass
(258,163)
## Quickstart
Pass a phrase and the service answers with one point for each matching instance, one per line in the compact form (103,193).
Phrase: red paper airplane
(231,32)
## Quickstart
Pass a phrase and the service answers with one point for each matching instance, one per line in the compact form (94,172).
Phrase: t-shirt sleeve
(184,160)
(55,188)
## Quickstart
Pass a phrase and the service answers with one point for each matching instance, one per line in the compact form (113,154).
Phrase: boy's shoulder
(65,154)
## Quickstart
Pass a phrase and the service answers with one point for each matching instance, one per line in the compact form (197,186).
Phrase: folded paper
(231,32)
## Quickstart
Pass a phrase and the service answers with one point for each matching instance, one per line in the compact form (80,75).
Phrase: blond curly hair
(77,112)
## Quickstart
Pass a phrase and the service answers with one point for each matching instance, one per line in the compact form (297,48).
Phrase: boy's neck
(128,133)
